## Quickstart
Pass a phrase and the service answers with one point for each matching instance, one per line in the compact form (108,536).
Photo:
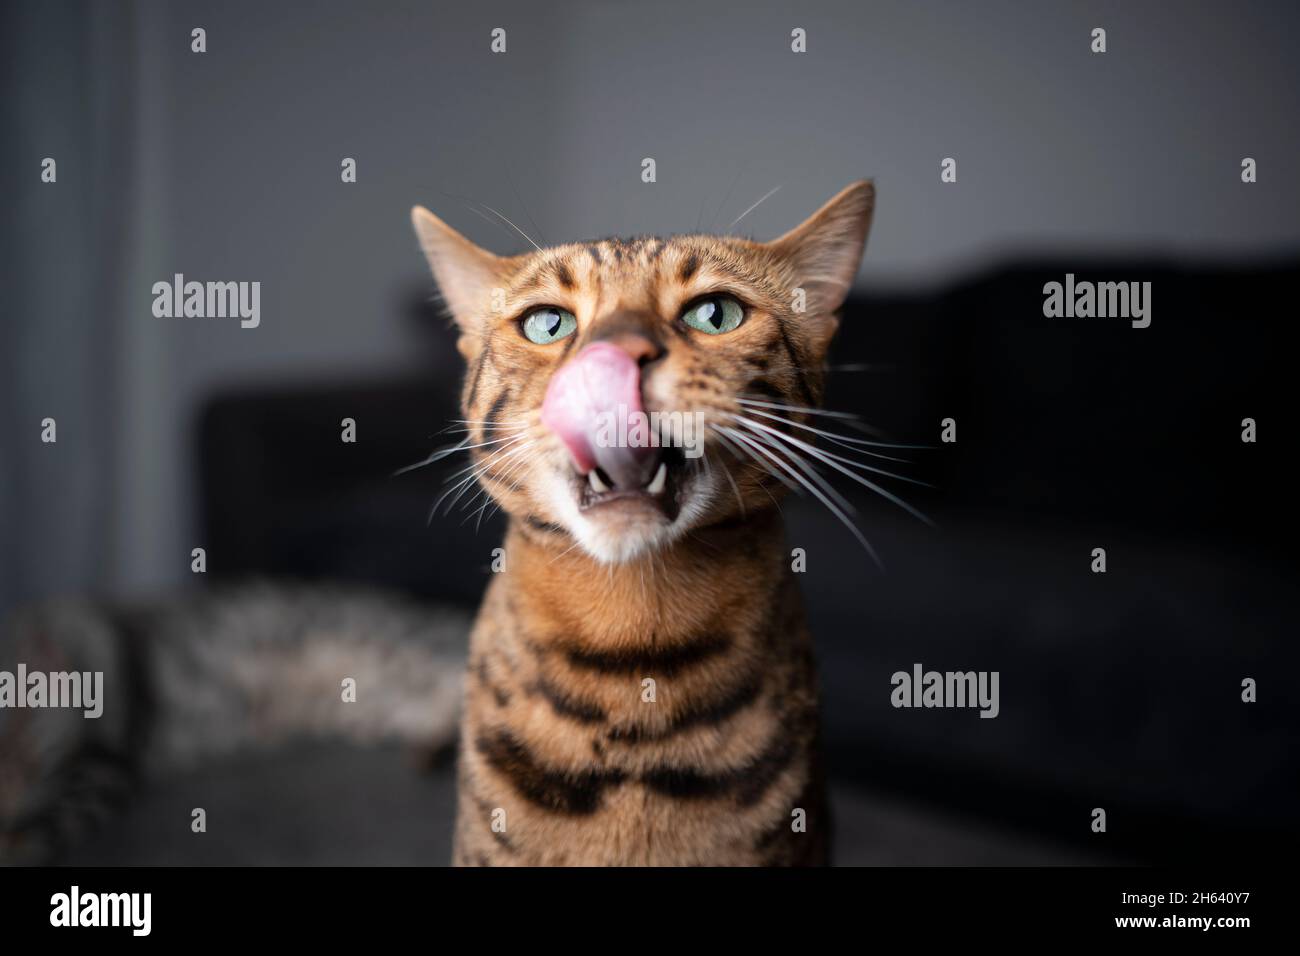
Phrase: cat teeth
(660,479)
(598,486)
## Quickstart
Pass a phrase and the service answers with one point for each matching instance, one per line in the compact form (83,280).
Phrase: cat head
(605,379)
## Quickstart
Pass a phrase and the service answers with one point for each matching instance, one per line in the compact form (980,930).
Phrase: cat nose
(642,349)
(634,331)
(593,404)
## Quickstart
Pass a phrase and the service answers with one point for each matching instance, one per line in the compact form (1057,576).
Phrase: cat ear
(466,273)
(826,248)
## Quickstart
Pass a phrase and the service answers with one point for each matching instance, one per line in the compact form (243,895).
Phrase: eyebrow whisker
(512,226)
(766,196)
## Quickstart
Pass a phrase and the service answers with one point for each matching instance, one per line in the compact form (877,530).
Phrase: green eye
(548,324)
(715,316)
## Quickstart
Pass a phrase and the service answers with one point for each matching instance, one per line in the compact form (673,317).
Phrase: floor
(333,805)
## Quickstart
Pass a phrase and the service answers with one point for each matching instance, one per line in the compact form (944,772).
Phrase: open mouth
(661,492)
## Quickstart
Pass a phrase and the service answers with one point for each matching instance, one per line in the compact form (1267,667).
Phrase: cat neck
(716,579)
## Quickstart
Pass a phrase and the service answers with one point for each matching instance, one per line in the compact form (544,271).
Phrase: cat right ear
(826,248)
(466,274)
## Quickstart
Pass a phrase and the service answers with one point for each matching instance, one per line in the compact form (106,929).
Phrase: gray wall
(1139,147)
(225,166)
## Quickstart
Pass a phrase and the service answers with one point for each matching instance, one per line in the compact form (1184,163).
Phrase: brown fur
(557,734)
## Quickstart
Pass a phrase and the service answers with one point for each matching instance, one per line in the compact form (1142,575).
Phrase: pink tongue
(602,384)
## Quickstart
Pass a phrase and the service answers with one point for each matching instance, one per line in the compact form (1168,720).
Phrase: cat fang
(660,493)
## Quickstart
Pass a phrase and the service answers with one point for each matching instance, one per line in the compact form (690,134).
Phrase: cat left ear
(466,273)
(826,248)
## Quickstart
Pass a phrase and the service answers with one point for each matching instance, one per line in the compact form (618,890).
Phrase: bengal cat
(641,687)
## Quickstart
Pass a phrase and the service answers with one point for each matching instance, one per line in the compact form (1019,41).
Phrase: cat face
(604,378)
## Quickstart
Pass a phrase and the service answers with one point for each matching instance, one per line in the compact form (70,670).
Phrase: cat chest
(646,759)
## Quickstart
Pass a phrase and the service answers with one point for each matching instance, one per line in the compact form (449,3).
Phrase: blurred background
(1119,690)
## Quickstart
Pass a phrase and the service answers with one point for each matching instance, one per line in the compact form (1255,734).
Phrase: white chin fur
(611,547)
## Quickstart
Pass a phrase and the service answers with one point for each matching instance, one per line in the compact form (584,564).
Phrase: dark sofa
(1118,690)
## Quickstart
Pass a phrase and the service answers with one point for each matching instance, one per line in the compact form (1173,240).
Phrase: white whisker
(825,455)
(843,440)
(765,198)
(512,226)
(847,417)
(884,493)
(435,456)
(824,499)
